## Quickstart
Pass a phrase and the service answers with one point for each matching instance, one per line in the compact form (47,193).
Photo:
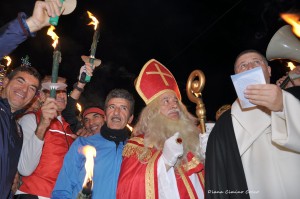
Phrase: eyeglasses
(255,63)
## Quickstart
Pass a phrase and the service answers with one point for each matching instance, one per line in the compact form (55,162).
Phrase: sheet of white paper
(242,80)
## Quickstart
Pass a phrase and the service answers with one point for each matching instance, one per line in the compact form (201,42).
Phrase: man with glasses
(255,152)
(47,138)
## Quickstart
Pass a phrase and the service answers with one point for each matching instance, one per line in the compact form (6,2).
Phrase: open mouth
(94,128)
(116,119)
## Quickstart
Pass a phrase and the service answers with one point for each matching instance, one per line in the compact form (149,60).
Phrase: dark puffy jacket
(11,140)
(13,33)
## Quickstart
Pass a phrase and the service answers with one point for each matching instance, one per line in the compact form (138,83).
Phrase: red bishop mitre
(154,80)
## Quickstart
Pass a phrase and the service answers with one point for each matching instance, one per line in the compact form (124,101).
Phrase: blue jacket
(107,164)
(11,140)
(13,33)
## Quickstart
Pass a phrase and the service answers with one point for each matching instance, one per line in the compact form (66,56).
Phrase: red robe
(138,178)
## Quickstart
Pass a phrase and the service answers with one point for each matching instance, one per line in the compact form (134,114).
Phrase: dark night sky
(183,35)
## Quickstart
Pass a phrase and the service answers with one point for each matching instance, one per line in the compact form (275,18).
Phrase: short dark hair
(121,93)
(251,51)
(30,70)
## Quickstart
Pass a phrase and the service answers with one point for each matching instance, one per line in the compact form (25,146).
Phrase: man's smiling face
(20,90)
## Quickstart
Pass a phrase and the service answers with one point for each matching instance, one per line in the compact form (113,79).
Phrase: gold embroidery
(186,183)
(139,140)
(143,154)
(149,177)
(201,176)
(193,163)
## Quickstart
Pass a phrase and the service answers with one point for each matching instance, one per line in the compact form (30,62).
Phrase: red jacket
(56,144)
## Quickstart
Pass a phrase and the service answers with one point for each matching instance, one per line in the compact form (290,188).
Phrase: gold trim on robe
(149,177)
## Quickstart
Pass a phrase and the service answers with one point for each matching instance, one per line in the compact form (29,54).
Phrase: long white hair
(156,128)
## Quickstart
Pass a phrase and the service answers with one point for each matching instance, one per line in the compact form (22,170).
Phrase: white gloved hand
(172,150)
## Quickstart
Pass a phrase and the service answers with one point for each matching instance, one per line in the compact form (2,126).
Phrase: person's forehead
(27,77)
(248,56)
(91,114)
(118,101)
(168,94)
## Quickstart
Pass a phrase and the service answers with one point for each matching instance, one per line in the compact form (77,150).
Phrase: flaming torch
(90,153)
(290,76)
(79,108)
(91,59)
(3,70)
(56,61)
(293,20)
(8,59)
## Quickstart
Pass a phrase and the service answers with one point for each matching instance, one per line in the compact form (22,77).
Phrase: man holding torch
(164,159)
(109,143)
(18,30)
(47,138)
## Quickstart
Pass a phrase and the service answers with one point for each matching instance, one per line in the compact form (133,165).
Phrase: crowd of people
(248,153)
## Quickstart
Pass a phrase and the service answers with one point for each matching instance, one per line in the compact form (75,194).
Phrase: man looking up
(255,152)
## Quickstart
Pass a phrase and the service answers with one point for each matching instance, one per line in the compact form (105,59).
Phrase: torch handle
(285,82)
(52,93)
(54,75)
(289,78)
(83,196)
(93,52)
(88,78)
(54,20)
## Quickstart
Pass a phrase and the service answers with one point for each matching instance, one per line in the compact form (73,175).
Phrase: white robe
(269,145)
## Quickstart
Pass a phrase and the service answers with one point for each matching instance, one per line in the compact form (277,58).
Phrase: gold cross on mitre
(159,72)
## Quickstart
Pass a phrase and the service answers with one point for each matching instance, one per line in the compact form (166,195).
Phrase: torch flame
(293,20)
(130,127)
(94,21)
(53,35)
(291,65)
(8,60)
(90,153)
(78,106)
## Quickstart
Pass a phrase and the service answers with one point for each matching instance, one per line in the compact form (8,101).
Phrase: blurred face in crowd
(252,60)
(168,105)
(117,113)
(61,96)
(20,90)
(93,122)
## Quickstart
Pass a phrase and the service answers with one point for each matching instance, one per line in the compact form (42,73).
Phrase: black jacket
(224,172)
(11,140)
